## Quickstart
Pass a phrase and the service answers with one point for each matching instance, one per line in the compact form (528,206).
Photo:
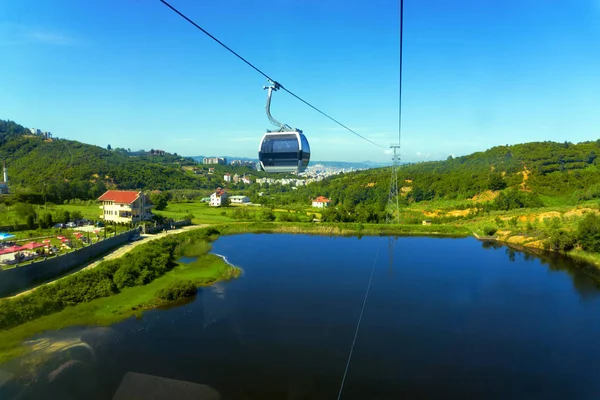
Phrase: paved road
(124,249)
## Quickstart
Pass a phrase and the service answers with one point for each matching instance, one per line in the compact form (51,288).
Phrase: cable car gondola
(283,150)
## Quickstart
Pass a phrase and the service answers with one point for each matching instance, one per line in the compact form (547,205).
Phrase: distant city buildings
(243,163)
(156,152)
(214,160)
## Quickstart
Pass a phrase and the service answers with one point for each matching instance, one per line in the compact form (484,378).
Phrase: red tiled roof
(322,199)
(219,192)
(120,196)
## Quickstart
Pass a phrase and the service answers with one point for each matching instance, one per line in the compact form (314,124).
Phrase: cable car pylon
(393,207)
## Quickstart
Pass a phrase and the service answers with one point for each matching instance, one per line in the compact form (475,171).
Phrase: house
(211,170)
(227,177)
(125,206)
(239,199)
(218,198)
(236,178)
(426,222)
(246,180)
(321,202)
(205,200)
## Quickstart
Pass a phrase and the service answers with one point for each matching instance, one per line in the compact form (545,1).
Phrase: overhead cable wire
(265,75)
(362,310)
(400,85)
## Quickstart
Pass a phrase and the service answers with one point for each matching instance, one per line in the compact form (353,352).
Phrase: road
(121,250)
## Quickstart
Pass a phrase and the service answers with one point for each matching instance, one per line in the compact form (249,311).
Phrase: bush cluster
(177,290)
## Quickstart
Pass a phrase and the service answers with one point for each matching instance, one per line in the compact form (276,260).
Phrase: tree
(24,210)
(76,215)
(159,200)
(588,233)
(497,182)
(108,147)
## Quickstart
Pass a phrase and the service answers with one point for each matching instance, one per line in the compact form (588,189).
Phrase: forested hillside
(527,172)
(64,169)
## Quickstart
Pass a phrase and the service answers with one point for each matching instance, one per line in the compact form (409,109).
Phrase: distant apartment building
(125,206)
(321,202)
(214,160)
(218,198)
(227,177)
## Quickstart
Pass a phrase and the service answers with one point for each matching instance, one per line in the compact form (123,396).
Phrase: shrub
(177,290)
(560,240)
(489,230)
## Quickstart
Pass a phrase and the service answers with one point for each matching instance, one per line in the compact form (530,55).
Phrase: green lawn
(105,311)
(202,212)
(91,212)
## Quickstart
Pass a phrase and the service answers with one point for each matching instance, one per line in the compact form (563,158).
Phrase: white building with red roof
(321,202)
(125,206)
(218,198)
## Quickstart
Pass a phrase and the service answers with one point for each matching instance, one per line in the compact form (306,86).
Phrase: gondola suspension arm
(272,88)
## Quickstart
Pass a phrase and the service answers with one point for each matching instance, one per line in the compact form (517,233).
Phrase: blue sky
(133,74)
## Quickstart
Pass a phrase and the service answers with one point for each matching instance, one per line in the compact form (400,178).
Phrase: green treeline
(138,267)
(542,168)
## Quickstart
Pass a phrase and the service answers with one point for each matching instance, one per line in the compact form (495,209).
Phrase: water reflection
(445,319)
(584,276)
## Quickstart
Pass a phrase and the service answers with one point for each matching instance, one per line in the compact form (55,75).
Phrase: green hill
(66,169)
(529,174)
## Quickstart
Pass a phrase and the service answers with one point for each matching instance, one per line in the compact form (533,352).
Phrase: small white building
(227,177)
(236,178)
(246,180)
(321,202)
(239,200)
(125,206)
(218,198)
(4,183)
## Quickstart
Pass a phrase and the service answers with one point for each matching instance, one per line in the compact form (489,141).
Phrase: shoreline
(136,300)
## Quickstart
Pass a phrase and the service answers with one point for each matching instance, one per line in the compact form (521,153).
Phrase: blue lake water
(446,318)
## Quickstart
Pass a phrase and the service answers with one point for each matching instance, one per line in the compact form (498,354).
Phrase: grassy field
(203,213)
(105,311)
(89,211)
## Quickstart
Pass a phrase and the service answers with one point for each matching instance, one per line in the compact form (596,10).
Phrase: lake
(446,318)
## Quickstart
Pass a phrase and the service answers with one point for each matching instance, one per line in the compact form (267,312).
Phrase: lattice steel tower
(393,207)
